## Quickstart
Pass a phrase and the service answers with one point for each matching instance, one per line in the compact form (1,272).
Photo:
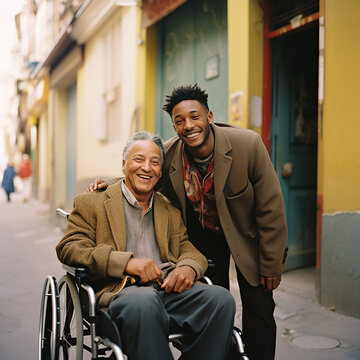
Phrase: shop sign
(155,10)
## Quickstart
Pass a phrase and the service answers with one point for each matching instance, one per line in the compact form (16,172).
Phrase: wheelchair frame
(69,316)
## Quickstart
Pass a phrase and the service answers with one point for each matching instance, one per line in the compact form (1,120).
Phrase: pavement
(28,234)
(305,329)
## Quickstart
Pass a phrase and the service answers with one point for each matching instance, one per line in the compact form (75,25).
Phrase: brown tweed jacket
(96,231)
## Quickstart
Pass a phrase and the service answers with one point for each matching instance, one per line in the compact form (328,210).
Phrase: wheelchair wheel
(71,323)
(49,327)
(237,347)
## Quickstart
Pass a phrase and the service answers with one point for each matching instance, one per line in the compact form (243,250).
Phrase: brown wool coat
(96,238)
(248,198)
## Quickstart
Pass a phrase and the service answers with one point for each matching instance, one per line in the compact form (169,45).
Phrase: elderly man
(129,230)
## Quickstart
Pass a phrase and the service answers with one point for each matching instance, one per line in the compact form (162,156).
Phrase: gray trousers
(146,316)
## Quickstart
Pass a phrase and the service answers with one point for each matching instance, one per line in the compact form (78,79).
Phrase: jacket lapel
(161,223)
(222,162)
(176,177)
(116,216)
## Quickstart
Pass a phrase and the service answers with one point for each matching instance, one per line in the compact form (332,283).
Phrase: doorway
(294,137)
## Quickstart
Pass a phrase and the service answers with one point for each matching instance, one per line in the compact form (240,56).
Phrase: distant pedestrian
(25,172)
(8,180)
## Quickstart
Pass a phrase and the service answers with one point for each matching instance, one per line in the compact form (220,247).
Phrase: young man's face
(142,167)
(191,121)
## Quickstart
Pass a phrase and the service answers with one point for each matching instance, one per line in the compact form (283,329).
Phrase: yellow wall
(256,54)
(245,43)
(140,68)
(43,189)
(150,79)
(238,48)
(341,121)
(38,116)
(58,107)
(146,75)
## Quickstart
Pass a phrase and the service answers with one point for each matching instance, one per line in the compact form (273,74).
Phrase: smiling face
(191,121)
(142,168)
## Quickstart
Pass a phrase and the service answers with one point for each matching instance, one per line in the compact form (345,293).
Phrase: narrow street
(28,237)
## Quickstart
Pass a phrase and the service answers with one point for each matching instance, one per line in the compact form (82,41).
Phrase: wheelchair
(72,327)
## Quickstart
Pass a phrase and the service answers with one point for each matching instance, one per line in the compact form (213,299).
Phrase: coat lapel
(176,177)
(161,223)
(116,216)
(222,162)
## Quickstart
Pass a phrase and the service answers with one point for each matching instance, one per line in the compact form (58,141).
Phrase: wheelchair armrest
(206,280)
(79,272)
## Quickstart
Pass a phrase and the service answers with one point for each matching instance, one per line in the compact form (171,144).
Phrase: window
(110,83)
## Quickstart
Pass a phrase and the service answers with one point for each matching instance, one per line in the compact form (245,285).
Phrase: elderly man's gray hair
(144,135)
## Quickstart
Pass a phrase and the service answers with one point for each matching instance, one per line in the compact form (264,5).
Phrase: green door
(192,47)
(294,138)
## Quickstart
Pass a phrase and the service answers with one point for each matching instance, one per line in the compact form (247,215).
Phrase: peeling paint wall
(339,164)
(340,271)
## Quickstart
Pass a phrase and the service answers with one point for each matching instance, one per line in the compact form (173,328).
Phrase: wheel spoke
(48,337)
(71,332)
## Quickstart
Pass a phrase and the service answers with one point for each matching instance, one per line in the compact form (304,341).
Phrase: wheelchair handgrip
(62,213)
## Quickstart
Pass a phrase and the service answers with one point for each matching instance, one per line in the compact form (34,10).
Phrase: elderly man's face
(142,167)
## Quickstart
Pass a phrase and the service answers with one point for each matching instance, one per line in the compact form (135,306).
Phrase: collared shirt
(140,230)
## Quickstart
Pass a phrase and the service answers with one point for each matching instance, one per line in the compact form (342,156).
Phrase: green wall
(192,47)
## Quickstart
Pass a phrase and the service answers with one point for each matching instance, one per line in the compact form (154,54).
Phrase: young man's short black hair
(181,93)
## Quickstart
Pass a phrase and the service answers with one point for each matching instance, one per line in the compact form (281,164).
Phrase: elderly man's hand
(98,184)
(270,282)
(147,269)
(179,280)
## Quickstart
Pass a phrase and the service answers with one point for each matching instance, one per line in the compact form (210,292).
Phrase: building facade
(338,165)
(286,69)
(273,66)
(80,99)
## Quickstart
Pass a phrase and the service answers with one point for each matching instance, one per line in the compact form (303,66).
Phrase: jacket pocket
(236,193)
(241,207)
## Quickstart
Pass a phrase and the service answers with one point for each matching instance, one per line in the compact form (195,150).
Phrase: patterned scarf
(200,192)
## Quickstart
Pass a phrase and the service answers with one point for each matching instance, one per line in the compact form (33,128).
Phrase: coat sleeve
(269,211)
(111,181)
(79,247)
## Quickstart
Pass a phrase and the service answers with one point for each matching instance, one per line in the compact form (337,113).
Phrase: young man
(129,230)
(221,178)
